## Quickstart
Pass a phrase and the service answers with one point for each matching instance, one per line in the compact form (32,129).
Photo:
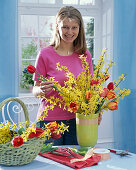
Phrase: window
(36,22)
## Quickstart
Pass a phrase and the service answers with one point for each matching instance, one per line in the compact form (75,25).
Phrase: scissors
(121,153)
(67,150)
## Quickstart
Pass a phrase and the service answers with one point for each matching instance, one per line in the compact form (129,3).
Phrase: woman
(68,43)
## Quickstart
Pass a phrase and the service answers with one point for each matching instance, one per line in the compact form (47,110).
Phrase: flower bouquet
(20,144)
(88,95)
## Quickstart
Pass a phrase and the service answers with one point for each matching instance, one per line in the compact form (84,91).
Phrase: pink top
(46,66)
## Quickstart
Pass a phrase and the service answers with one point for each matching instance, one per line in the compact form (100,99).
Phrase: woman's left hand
(99,118)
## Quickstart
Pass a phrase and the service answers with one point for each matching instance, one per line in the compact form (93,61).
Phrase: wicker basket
(23,154)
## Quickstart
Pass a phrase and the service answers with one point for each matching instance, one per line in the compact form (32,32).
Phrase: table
(115,163)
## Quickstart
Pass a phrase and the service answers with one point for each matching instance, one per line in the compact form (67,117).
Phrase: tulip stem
(99,106)
(44,79)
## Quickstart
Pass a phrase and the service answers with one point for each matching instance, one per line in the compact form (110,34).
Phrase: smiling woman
(68,30)
(69,37)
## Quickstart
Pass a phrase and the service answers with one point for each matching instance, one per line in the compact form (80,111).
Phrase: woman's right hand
(42,88)
(46,86)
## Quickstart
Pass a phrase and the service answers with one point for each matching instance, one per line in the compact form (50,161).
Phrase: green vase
(87,129)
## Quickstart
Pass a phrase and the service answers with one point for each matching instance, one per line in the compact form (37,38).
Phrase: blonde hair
(72,13)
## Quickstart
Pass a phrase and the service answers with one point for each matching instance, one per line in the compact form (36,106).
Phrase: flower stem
(44,79)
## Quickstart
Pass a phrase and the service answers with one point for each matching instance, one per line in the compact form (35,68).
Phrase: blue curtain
(124,52)
(8,49)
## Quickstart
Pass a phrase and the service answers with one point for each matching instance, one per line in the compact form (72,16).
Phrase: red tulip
(31,69)
(52,126)
(112,105)
(88,95)
(94,82)
(111,94)
(110,86)
(17,141)
(54,135)
(74,106)
(39,132)
(103,93)
(31,135)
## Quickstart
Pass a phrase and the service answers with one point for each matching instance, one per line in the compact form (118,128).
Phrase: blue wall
(125,58)
(8,49)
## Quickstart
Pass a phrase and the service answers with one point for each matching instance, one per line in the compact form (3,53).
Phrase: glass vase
(87,129)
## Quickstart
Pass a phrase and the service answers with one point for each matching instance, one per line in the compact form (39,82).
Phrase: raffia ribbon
(103,153)
(87,155)
(86,121)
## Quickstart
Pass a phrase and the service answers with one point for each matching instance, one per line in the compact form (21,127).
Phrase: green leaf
(20,131)
(48,148)
(81,151)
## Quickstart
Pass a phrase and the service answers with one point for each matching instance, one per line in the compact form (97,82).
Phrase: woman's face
(68,30)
